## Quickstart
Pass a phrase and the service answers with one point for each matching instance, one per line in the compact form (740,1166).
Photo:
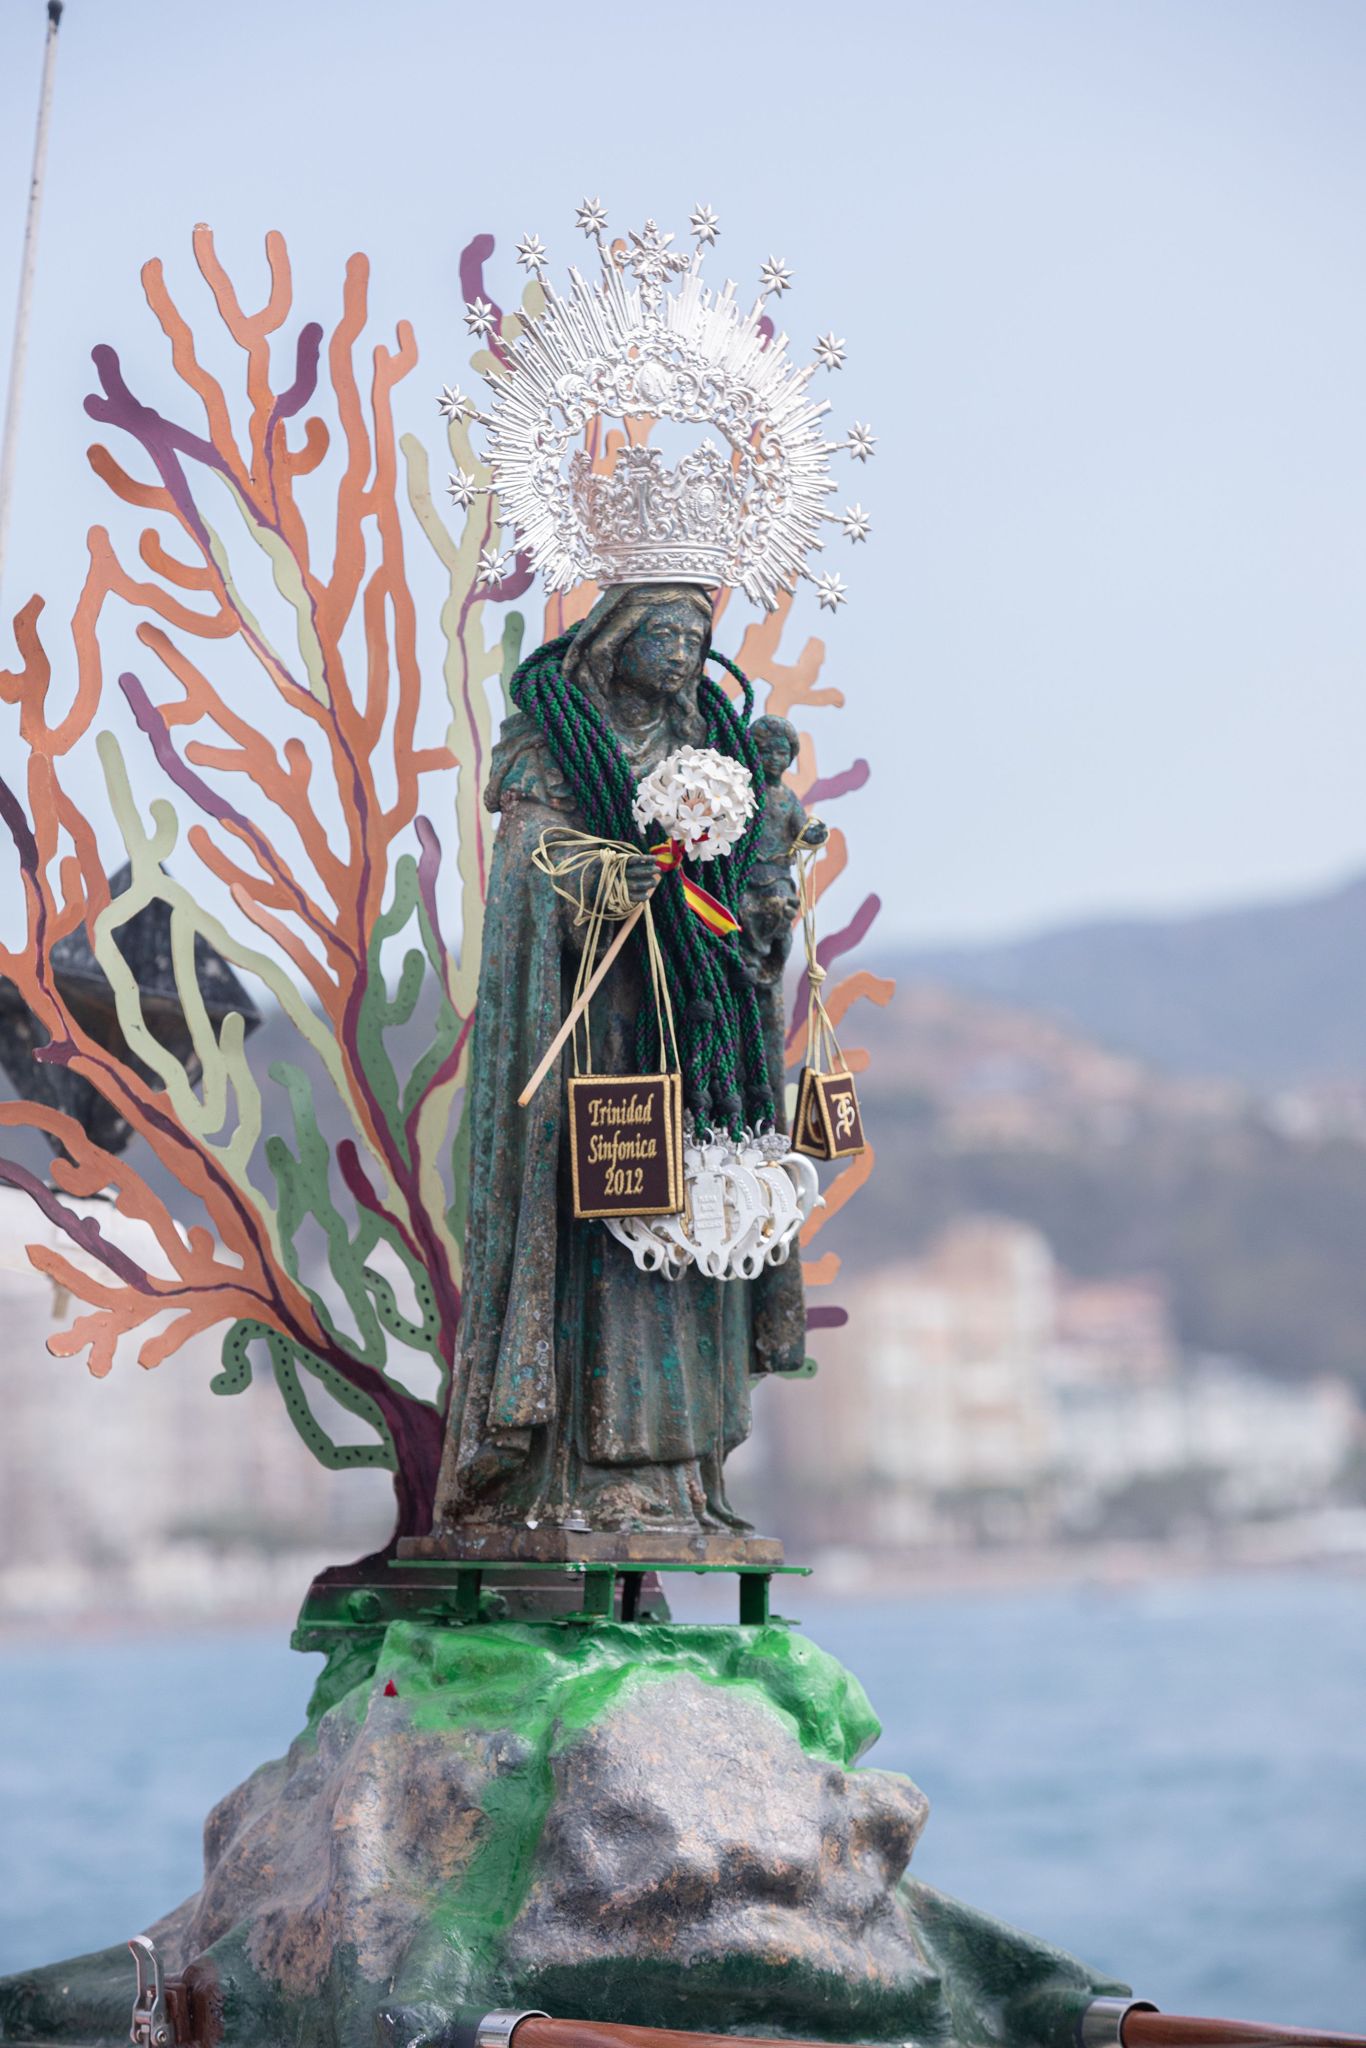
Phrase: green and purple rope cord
(721,1040)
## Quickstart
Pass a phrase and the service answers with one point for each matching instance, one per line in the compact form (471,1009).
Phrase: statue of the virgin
(590,1395)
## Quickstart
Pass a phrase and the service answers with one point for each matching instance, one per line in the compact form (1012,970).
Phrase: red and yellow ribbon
(714,915)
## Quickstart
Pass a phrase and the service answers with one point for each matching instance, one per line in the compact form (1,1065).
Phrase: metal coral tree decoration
(315,820)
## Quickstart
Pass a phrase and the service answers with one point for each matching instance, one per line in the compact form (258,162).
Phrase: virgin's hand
(642,877)
(815,832)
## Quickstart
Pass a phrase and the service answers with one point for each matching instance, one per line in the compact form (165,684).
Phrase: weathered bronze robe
(586,1391)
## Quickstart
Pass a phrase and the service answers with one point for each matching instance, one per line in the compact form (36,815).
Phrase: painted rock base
(660,1824)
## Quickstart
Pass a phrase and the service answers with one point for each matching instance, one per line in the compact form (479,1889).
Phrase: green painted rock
(657,1824)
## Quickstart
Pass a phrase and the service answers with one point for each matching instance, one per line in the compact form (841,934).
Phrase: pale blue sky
(1100,267)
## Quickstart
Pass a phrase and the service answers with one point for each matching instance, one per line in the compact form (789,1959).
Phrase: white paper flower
(699,797)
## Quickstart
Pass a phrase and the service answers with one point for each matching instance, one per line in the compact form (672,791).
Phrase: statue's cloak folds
(582,1385)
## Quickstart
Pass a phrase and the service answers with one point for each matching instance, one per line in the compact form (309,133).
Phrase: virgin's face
(663,656)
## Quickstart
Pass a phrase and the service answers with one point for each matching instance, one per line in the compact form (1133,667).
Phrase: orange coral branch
(845,1184)
(148,497)
(187,364)
(189,575)
(789,683)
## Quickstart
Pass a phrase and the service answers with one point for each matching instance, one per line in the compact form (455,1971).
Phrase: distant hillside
(1253,1220)
(1270,995)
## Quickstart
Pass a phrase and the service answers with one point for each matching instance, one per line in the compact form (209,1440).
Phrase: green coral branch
(469,665)
(235,1376)
(468,668)
(428,1105)
(301,1176)
(302,1183)
(418,1114)
(221,1054)
(446,1033)
(286,1358)
(146,853)
(417,1336)
(379,1012)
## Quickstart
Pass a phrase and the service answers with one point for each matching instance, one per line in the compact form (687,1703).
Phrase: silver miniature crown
(650,339)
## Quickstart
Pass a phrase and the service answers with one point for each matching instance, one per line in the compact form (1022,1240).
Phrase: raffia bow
(822,1046)
(590,873)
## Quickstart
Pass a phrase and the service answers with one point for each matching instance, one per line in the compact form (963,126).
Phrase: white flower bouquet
(699,798)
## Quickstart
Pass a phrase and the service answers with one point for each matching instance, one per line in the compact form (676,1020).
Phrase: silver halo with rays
(648,339)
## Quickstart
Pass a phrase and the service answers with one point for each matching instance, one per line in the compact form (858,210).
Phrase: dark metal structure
(145,943)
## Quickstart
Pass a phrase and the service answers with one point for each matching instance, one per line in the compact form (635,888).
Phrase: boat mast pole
(21,317)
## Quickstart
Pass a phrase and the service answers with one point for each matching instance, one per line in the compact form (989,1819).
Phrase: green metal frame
(447,1592)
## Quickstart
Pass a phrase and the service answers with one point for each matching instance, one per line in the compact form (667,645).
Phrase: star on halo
(463,489)
(856,522)
(831,591)
(591,217)
(452,403)
(494,564)
(479,317)
(531,254)
(704,225)
(775,277)
(830,349)
(860,443)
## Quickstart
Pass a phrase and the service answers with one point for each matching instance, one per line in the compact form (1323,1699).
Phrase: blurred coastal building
(979,1397)
(144,1490)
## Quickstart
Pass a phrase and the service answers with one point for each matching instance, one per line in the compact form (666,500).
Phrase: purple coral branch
(214,805)
(151,722)
(163,440)
(827,787)
(473,257)
(421,1238)
(307,352)
(826,1317)
(833,947)
(20,831)
(513,585)
(428,868)
(82,1230)
(359,1185)
(165,443)
(356,1179)
(853,934)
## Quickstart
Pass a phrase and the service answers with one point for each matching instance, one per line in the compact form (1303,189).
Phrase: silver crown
(651,524)
(649,340)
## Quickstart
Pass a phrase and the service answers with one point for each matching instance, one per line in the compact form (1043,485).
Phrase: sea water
(1169,1780)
